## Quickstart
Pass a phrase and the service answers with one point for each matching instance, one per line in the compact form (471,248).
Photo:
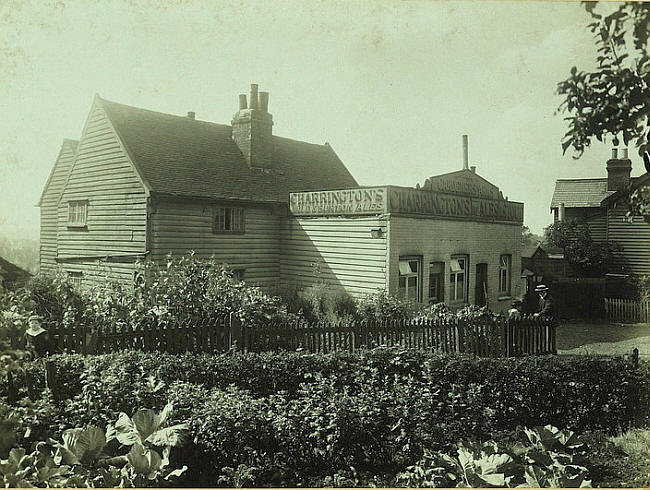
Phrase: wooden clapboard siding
(338,251)
(99,271)
(598,227)
(49,205)
(103,174)
(179,226)
(633,239)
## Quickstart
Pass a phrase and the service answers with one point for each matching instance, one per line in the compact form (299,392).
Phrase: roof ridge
(167,114)
(580,178)
(222,125)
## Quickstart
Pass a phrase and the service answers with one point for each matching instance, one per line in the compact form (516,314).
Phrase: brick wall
(436,240)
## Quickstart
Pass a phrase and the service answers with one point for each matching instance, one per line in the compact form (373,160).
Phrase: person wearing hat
(37,336)
(545,306)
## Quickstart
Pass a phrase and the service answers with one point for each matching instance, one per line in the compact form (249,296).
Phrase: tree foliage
(588,258)
(614,99)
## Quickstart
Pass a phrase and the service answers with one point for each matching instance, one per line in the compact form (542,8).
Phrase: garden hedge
(282,418)
(576,392)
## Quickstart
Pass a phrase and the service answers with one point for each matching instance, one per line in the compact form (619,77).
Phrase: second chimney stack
(252,129)
(465,153)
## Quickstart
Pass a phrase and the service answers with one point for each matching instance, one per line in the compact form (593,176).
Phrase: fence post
(50,377)
(236,333)
(635,358)
(553,327)
(461,335)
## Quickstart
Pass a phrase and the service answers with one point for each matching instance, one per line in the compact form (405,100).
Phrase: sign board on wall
(420,202)
(404,200)
(371,200)
(463,183)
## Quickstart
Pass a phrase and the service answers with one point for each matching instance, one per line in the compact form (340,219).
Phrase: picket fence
(627,310)
(490,338)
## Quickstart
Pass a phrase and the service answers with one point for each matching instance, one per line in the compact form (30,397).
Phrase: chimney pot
(191,115)
(473,168)
(614,153)
(465,153)
(264,101)
(254,99)
(624,155)
(252,130)
(618,173)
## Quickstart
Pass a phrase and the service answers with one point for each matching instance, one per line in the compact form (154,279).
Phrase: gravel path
(613,348)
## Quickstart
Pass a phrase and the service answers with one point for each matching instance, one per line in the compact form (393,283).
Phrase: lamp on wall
(376,232)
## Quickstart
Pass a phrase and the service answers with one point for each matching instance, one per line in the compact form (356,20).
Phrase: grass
(579,337)
(620,461)
(635,442)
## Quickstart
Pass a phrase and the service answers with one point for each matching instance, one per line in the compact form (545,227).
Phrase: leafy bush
(580,393)
(549,458)
(381,306)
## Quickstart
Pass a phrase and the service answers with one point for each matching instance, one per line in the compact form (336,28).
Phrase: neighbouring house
(546,263)
(141,184)
(455,239)
(12,276)
(602,204)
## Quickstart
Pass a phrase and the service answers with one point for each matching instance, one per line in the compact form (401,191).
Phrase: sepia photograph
(324,243)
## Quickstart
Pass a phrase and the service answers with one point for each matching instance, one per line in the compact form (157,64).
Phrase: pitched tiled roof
(12,275)
(181,156)
(580,193)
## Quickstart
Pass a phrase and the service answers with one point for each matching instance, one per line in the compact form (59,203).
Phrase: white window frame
(406,271)
(441,285)
(76,279)
(505,275)
(77,213)
(456,270)
(230,220)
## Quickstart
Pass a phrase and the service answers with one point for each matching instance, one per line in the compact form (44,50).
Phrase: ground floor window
(409,278)
(76,279)
(436,282)
(505,273)
(228,220)
(458,278)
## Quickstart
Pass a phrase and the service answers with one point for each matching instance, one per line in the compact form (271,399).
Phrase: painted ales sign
(371,200)
(404,200)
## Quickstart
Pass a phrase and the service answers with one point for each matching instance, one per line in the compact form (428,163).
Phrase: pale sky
(390,85)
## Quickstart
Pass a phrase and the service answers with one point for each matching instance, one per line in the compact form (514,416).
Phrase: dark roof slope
(580,193)
(636,182)
(73,144)
(181,156)
(11,275)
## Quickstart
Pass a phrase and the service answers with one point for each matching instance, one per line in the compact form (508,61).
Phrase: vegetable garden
(384,416)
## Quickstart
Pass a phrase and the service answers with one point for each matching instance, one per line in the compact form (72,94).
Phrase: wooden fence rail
(489,338)
(627,310)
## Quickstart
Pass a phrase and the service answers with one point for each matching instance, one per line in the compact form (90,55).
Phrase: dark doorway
(480,298)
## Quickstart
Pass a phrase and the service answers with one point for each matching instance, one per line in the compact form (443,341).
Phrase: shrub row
(496,394)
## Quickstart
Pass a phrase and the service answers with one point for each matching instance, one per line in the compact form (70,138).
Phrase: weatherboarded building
(141,184)
(602,204)
(455,240)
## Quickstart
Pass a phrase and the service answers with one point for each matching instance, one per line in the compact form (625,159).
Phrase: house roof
(636,182)
(180,156)
(580,193)
(529,250)
(73,144)
(11,274)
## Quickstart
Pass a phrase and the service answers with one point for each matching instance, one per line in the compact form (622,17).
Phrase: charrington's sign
(371,200)
(404,200)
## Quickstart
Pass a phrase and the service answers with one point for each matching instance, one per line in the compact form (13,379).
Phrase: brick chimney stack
(618,170)
(252,129)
